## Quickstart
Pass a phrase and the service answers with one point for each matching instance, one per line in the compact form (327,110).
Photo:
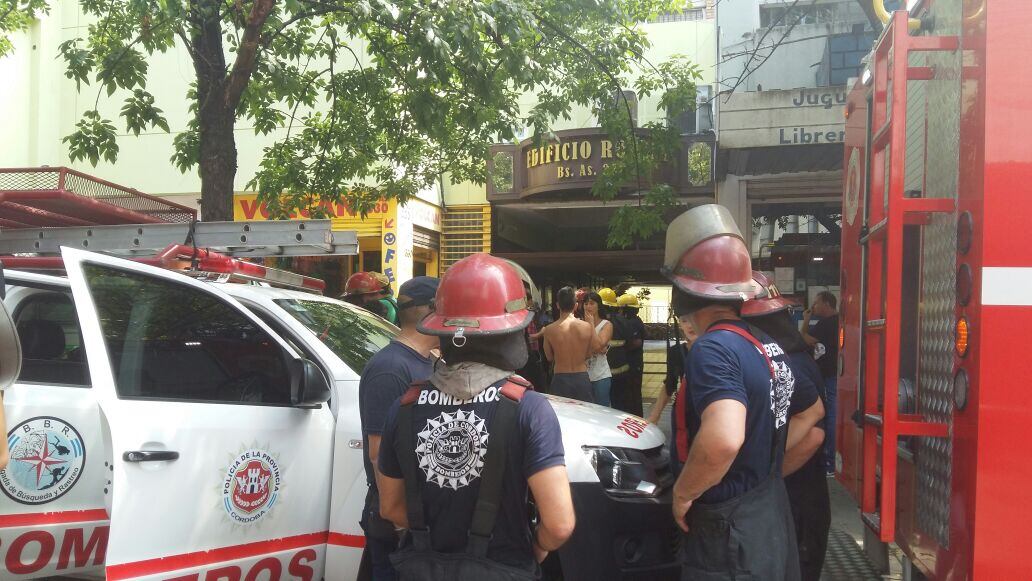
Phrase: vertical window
(170,341)
(51,341)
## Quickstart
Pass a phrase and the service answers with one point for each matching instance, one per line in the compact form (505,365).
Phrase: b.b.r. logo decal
(47,459)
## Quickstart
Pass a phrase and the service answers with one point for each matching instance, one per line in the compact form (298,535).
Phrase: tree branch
(247,53)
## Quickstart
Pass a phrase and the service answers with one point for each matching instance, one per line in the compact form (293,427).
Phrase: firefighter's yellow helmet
(608,296)
(628,300)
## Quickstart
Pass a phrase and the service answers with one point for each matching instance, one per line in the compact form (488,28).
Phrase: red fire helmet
(362,283)
(706,256)
(768,301)
(479,295)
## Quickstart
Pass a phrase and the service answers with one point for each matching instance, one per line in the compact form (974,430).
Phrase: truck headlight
(625,471)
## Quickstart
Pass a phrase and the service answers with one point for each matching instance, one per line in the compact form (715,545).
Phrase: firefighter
(450,443)
(729,499)
(386,376)
(621,386)
(372,291)
(534,370)
(629,307)
(803,466)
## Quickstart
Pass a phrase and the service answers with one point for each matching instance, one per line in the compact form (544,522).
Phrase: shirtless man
(567,344)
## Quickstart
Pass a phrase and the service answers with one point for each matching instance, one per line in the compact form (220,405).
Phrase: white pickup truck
(168,428)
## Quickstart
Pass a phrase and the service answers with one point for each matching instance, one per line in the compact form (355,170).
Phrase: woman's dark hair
(603,311)
(566,298)
(782,328)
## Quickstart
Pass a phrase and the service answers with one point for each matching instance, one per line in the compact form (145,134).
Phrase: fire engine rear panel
(938,272)
(960,509)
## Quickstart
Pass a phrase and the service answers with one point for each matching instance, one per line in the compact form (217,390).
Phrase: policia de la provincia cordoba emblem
(47,459)
(451,449)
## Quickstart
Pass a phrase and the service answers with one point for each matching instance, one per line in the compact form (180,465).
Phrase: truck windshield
(352,334)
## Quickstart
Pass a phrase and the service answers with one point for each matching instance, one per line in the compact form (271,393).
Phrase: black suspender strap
(411,472)
(491,479)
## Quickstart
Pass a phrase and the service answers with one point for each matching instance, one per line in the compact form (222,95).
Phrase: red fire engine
(937,290)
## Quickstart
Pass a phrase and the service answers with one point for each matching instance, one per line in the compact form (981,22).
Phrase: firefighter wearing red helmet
(372,291)
(805,478)
(739,389)
(450,443)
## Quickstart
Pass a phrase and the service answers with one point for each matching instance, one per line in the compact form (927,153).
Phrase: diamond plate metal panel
(938,280)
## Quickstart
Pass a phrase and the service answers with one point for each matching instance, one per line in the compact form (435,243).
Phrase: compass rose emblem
(47,459)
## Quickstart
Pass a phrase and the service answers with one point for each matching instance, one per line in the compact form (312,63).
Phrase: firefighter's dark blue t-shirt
(386,376)
(723,365)
(451,444)
(808,382)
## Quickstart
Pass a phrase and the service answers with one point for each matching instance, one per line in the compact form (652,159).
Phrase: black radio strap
(491,479)
(410,470)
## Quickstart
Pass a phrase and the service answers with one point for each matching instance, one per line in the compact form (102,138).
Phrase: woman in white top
(598,366)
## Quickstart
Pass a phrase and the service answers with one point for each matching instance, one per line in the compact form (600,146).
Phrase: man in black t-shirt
(385,378)
(467,446)
(824,339)
(740,389)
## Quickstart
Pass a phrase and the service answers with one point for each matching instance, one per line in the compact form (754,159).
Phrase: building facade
(543,214)
(783,71)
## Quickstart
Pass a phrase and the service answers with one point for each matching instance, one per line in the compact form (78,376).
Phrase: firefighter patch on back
(451,449)
(47,459)
(251,486)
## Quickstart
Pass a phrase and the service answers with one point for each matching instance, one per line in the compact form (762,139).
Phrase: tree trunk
(217,163)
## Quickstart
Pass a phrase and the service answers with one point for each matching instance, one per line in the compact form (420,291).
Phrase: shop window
(778,15)
(170,341)
(799,246)
(687,15)
(52,351)
(372,261)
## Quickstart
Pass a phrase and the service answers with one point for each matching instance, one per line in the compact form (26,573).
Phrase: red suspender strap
(748,337)
(680,405)
(412,395)
(513,389)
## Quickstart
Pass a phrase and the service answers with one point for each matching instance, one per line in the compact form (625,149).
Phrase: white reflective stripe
(1007,285)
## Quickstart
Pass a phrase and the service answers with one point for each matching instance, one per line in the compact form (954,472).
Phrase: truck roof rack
(209,250)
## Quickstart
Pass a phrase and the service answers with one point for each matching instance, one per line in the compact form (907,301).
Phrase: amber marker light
(960,337)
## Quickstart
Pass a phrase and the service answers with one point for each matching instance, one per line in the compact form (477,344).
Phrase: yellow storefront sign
(247,208)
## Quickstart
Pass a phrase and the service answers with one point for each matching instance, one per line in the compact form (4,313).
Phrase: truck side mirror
(10,348)
(308,384)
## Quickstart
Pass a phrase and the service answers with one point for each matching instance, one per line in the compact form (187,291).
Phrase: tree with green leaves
(380,99)
(15,16)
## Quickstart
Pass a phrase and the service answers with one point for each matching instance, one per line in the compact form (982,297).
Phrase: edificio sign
(572,161)
(774,118)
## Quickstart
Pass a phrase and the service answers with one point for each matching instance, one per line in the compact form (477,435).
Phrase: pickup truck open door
(220,438)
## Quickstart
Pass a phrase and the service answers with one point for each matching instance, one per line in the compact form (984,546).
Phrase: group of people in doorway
(456,440)
(595,349)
